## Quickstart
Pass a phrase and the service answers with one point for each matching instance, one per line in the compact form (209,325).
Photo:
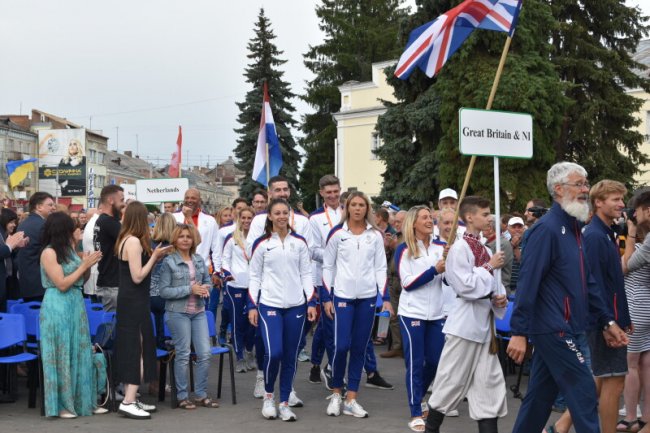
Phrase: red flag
(175,165)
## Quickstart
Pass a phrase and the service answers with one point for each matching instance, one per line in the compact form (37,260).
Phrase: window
(100,181)
(92,156)
(100,158)
(375,144)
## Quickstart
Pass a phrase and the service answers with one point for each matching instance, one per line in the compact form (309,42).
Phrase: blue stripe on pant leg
(361,328)
(413,344)
(293,327)
(343,313)
(271,330)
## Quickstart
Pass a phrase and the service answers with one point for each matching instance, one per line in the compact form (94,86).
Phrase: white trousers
(467,368)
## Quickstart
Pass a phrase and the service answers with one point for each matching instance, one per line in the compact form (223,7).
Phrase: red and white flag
(175,165)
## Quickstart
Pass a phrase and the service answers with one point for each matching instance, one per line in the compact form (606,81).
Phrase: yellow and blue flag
(17,170)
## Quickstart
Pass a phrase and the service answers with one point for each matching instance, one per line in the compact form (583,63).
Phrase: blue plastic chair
(166,358)
(12,302)
(215,349)
(13,336)
(31,311)
(95,313)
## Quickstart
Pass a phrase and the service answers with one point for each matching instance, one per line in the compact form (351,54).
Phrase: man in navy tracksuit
(556,295)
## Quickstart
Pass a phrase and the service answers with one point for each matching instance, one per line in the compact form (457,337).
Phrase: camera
(537,211)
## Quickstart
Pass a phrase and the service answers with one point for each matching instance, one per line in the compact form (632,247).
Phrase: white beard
(576,209)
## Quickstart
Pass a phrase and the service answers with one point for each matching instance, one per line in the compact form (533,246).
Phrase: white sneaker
(294,401)
(258,392)
(148,407)
(241,366)
(452,413)
(133,410)
(334,407)
(286,414)
(303,356)
(355,409)
(100,410)
(268,407)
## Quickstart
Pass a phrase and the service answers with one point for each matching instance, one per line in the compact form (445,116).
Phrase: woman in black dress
(135,347)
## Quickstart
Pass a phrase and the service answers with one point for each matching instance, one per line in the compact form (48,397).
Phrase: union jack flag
(431,44)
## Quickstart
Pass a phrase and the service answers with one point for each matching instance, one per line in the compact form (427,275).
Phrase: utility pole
(117,139)
(137,145)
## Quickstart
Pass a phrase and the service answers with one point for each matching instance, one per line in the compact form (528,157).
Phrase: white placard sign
(129,191)
(161,190)
(495,133)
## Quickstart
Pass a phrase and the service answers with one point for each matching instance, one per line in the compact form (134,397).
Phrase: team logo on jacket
(415,323)
(237,295)
(368,239)
(292,246)
(342,304)
(271,313)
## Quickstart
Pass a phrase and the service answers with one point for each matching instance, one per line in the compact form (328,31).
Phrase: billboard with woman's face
(62,152)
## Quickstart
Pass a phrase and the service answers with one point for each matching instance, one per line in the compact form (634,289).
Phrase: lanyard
(327,214)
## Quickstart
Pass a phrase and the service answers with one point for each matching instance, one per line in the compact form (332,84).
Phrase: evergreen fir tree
(264,67)
(592,49)
(357,34)
(574,87)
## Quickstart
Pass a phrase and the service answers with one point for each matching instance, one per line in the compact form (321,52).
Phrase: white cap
(447,193)
(515,220)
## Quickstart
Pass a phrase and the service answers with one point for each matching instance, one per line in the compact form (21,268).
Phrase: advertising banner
(62,162)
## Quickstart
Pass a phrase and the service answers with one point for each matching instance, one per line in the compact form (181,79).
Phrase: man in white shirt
(89,246)
(206,224)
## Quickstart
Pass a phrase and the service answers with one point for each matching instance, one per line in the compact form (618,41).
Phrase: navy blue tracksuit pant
(422,341)
(559,364)
(242,337)
(323,341)
(281,330)
(353,320)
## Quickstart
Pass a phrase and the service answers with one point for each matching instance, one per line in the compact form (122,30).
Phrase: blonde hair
(194,234)
(238,234)
(164,228)
(220,213)
(408,230)
(603,189)
(346,215)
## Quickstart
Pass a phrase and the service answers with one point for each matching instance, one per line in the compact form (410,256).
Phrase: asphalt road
(388,411)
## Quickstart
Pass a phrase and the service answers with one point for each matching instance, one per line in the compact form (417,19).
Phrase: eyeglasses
(578,185)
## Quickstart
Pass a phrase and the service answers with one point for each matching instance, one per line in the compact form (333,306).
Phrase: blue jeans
(560,363)
(185,329)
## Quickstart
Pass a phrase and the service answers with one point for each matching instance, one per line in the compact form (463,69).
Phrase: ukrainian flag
(17,170)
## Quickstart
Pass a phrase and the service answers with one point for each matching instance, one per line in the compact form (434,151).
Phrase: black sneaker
(376,381)
(326,376)
(314,374)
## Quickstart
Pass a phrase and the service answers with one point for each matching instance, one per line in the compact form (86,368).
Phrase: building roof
(65,122)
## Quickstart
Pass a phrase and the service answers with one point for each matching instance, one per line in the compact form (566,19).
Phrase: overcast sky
(147,66)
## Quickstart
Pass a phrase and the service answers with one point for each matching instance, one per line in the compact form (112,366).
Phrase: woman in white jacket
(280,287)
(420,266)
(354,272)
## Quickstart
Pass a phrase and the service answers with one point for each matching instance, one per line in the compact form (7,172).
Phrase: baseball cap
(447,193)
(515,220)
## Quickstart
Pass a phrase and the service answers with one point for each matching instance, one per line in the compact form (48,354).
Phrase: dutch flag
(267,137)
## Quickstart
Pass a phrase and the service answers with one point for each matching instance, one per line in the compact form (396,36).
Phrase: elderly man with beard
(105,233)
(557,295)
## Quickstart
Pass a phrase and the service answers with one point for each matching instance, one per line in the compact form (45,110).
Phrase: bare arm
(55,273)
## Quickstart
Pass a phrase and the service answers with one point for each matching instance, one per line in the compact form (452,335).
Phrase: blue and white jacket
(422,295)
(234,263)
(354,266)
(280,272)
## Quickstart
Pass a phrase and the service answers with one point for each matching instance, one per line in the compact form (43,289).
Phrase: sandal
(628,426)
(186,404)
(416,425)
(206,402)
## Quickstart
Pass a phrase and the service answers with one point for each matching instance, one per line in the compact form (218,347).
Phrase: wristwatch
(609,325)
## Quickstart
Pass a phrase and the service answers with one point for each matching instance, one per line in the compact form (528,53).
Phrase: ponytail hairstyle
(238,234)
(268,225)
(408,230)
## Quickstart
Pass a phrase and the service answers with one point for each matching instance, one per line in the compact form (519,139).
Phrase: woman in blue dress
(70,381)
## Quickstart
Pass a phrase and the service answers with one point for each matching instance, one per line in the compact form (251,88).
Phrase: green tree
(592,48)
(264,67)
(356,34)
(421,133)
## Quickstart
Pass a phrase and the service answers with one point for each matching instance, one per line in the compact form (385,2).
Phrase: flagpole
(472,161)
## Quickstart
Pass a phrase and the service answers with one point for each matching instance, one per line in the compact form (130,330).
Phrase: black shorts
(606,361)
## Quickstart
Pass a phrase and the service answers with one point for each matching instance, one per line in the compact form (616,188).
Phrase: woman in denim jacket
(185,284)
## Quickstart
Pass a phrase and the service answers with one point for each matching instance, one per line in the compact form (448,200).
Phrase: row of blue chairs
(96,316)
